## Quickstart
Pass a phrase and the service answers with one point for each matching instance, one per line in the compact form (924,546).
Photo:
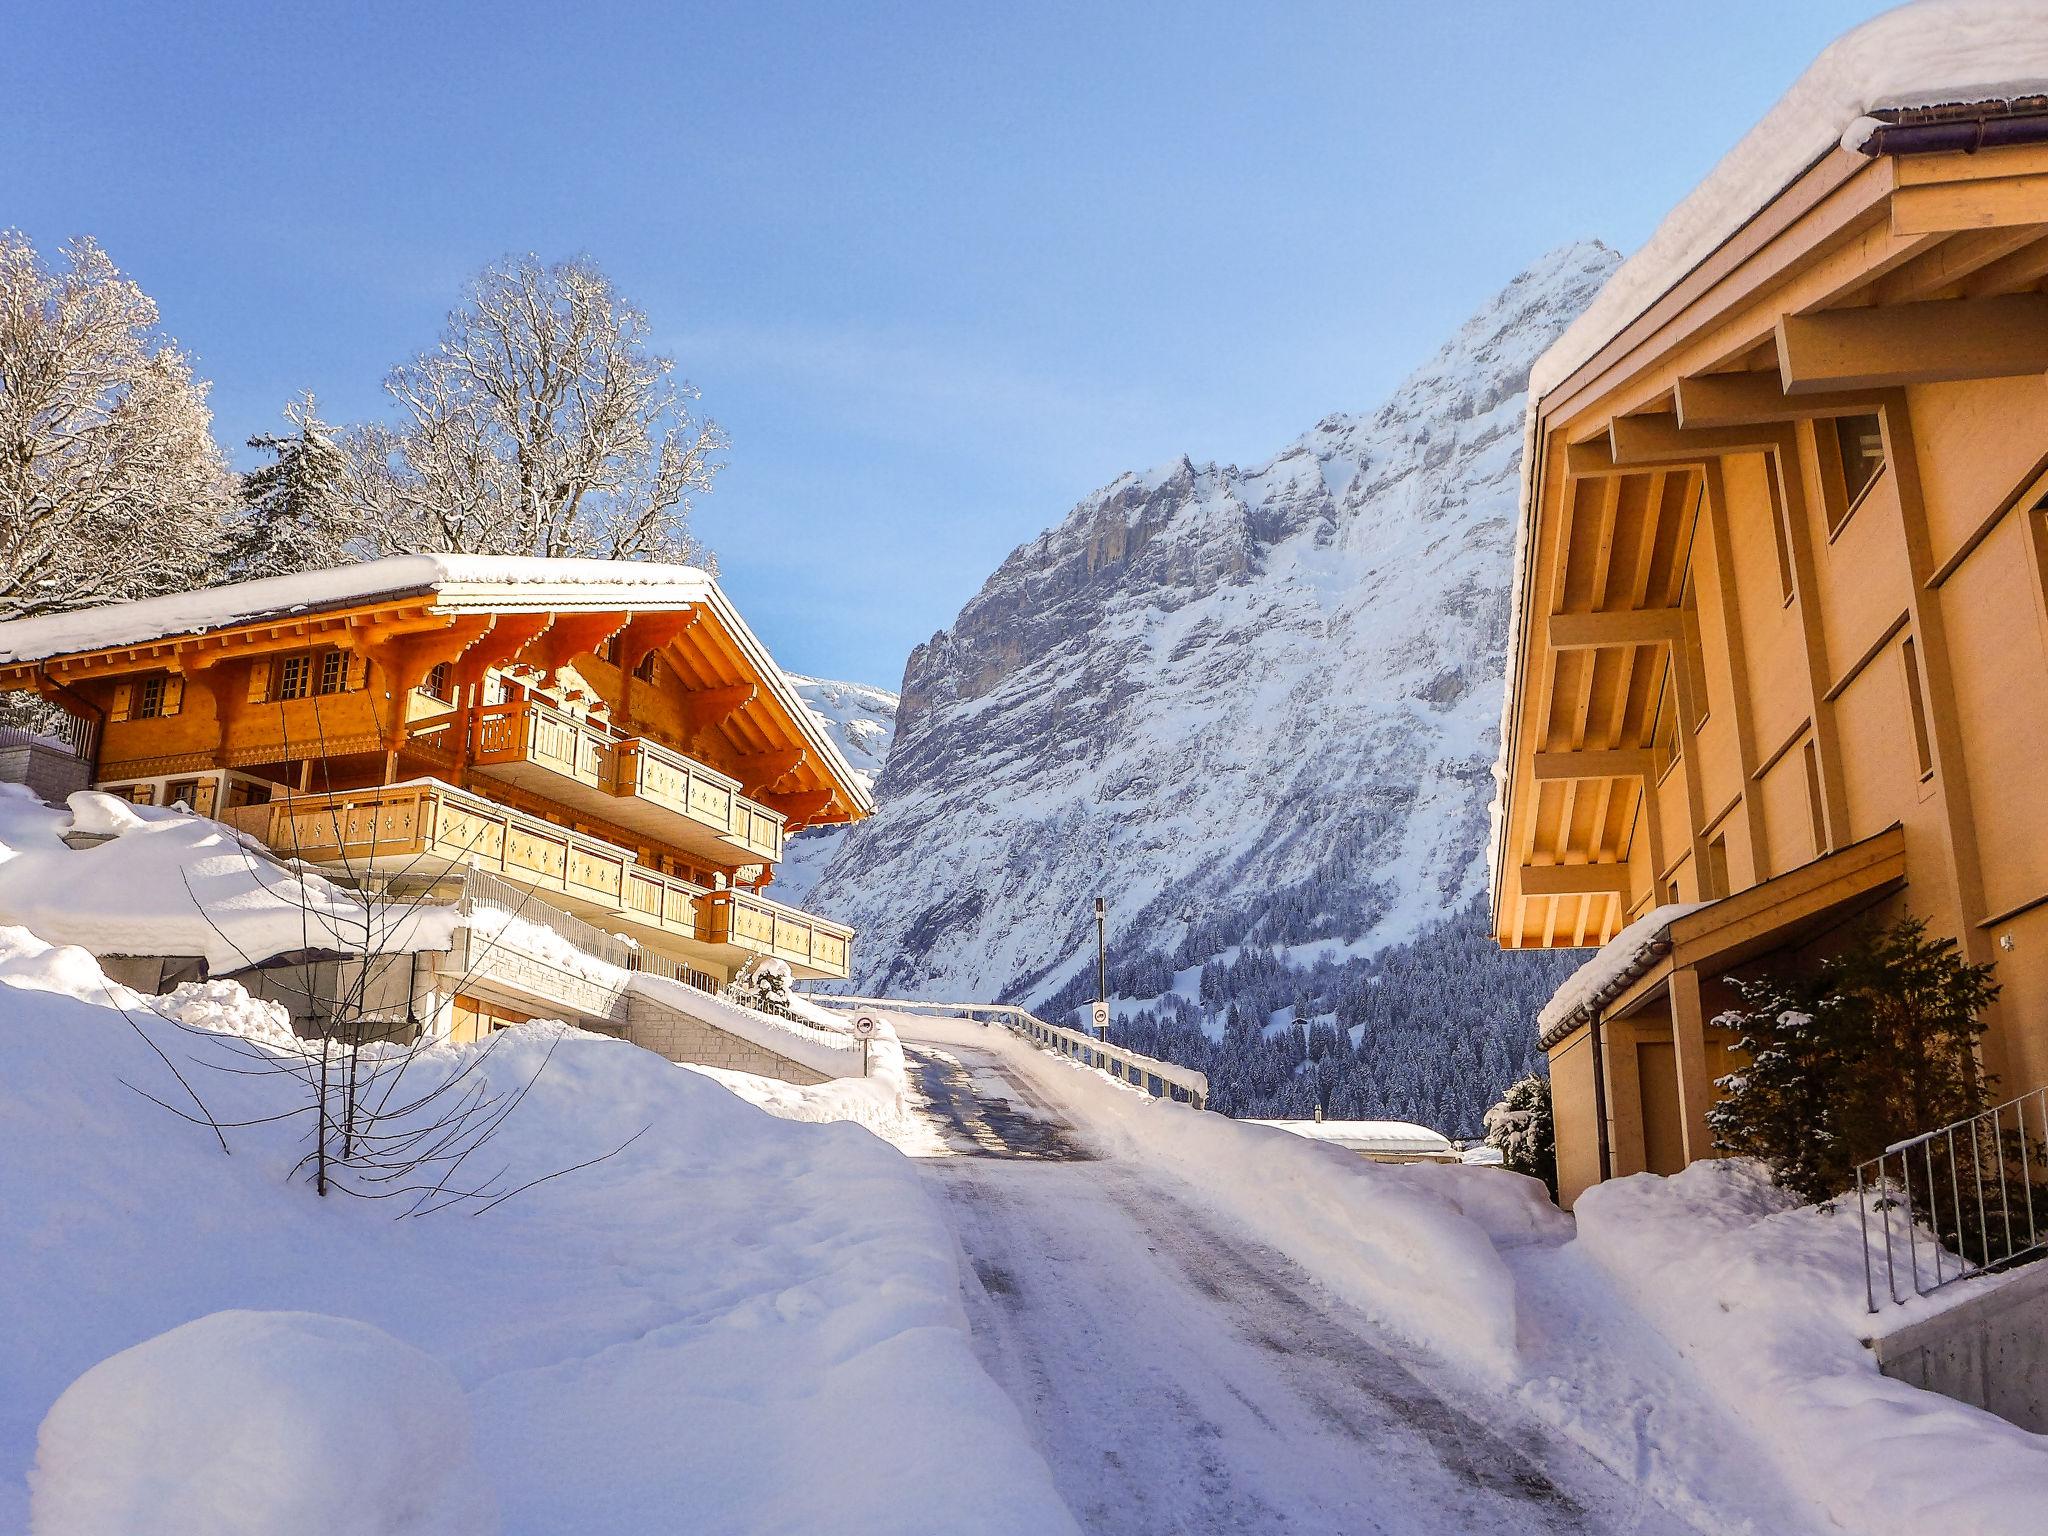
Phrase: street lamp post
(1102,965)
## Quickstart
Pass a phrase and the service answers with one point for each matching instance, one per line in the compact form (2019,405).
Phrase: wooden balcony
(630,781)
(429,827)
(743,921)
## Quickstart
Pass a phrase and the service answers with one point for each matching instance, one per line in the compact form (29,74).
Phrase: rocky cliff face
(1254,708)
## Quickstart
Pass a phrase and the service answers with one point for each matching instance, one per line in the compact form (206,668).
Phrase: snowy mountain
(1253,708)
(861,720)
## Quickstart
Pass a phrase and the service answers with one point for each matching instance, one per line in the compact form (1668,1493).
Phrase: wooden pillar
(1689,1047)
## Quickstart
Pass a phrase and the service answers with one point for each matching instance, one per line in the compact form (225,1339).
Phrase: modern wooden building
(1781,649)
(607,741)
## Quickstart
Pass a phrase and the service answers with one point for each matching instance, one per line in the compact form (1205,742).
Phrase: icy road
(1179,1378)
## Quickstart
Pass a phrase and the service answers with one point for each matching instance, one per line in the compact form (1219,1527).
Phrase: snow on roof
(455,581)
(1620,959)
(1391,1136)
(1930,53)
(506,578)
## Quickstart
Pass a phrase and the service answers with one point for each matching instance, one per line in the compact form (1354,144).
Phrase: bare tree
(540,424)
(111,485)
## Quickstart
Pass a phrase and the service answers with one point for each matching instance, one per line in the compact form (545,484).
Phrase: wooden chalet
(1781,648)
(608,740)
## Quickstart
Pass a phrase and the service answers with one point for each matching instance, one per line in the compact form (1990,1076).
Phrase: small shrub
(1876,1045)
(1522,1126)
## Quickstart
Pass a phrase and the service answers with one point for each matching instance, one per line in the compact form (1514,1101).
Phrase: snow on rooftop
(1389,1136)
(1930,53)
(180,613)
(1614,960)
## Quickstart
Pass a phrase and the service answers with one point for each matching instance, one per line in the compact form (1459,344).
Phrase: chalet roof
(1930,53)
(455,583)
(1985,54)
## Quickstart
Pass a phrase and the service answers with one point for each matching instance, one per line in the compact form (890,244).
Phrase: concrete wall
(1990,1351)
(681,1038)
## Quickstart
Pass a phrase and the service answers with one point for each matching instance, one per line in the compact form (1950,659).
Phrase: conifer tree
(295,514)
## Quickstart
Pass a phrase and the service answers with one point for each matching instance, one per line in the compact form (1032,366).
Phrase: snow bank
(1765,1299)
(733,1321)
(1931,53)
(171,883)
(254,1423)
(1415,1247)
(1392,1137)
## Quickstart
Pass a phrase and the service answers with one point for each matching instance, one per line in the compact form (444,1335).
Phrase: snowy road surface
(1182,1379)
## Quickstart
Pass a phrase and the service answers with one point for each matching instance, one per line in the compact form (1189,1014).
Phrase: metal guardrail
(1965,1199)
(1161,1079)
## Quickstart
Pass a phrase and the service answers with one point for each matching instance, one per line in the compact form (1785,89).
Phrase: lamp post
(1102,966)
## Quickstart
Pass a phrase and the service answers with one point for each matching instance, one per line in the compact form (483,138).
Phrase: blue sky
(940,270)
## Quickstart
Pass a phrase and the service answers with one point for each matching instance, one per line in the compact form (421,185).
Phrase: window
(308,673)
(1916,704)
(645,670)
(439,683)
(1852,457)
(149,699)
(1715,875)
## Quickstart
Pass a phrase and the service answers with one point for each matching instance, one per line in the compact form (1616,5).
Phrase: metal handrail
(1161,1079)
(1967,1199)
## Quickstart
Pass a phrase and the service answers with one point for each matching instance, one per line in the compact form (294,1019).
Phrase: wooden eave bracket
(759,772)
(1617,763)
(802,807)
(1718,400)
(1930,342)
(1574,879)
(706,709)
(1631,626)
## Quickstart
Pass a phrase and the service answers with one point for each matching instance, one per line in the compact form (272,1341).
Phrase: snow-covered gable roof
(1930,53)
(501,583)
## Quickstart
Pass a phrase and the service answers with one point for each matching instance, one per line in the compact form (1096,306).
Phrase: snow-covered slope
(1245,705)
(861,720)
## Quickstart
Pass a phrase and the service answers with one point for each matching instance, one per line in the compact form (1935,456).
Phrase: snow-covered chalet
(603,750)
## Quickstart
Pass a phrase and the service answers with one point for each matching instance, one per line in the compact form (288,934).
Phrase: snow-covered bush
(1876,1044)
(1521,1125)
(255,1423)
(763,985)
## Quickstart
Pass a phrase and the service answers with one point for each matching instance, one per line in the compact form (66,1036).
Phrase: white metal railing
(1161,1079)
(1958,1201)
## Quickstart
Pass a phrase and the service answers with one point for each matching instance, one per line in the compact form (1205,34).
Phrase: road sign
(866,1026)
(1098,1015)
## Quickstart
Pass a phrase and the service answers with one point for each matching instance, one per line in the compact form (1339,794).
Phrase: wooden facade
(625,751)
(1783,643)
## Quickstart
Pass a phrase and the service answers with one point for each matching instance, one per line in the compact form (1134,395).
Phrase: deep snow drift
(733,1324)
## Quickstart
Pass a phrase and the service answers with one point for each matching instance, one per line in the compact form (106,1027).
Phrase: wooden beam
(1659,439)
(706,709)
(1633,626)
(1711,400)
(1592,763)
(759,772)
(1995,338)
(1942,207)
(803,807)
(1575,880)
(1588,460)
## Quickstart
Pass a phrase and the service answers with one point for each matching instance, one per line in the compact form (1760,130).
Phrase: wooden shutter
(124,701)
(259,681)
(174,695)
(356,675)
